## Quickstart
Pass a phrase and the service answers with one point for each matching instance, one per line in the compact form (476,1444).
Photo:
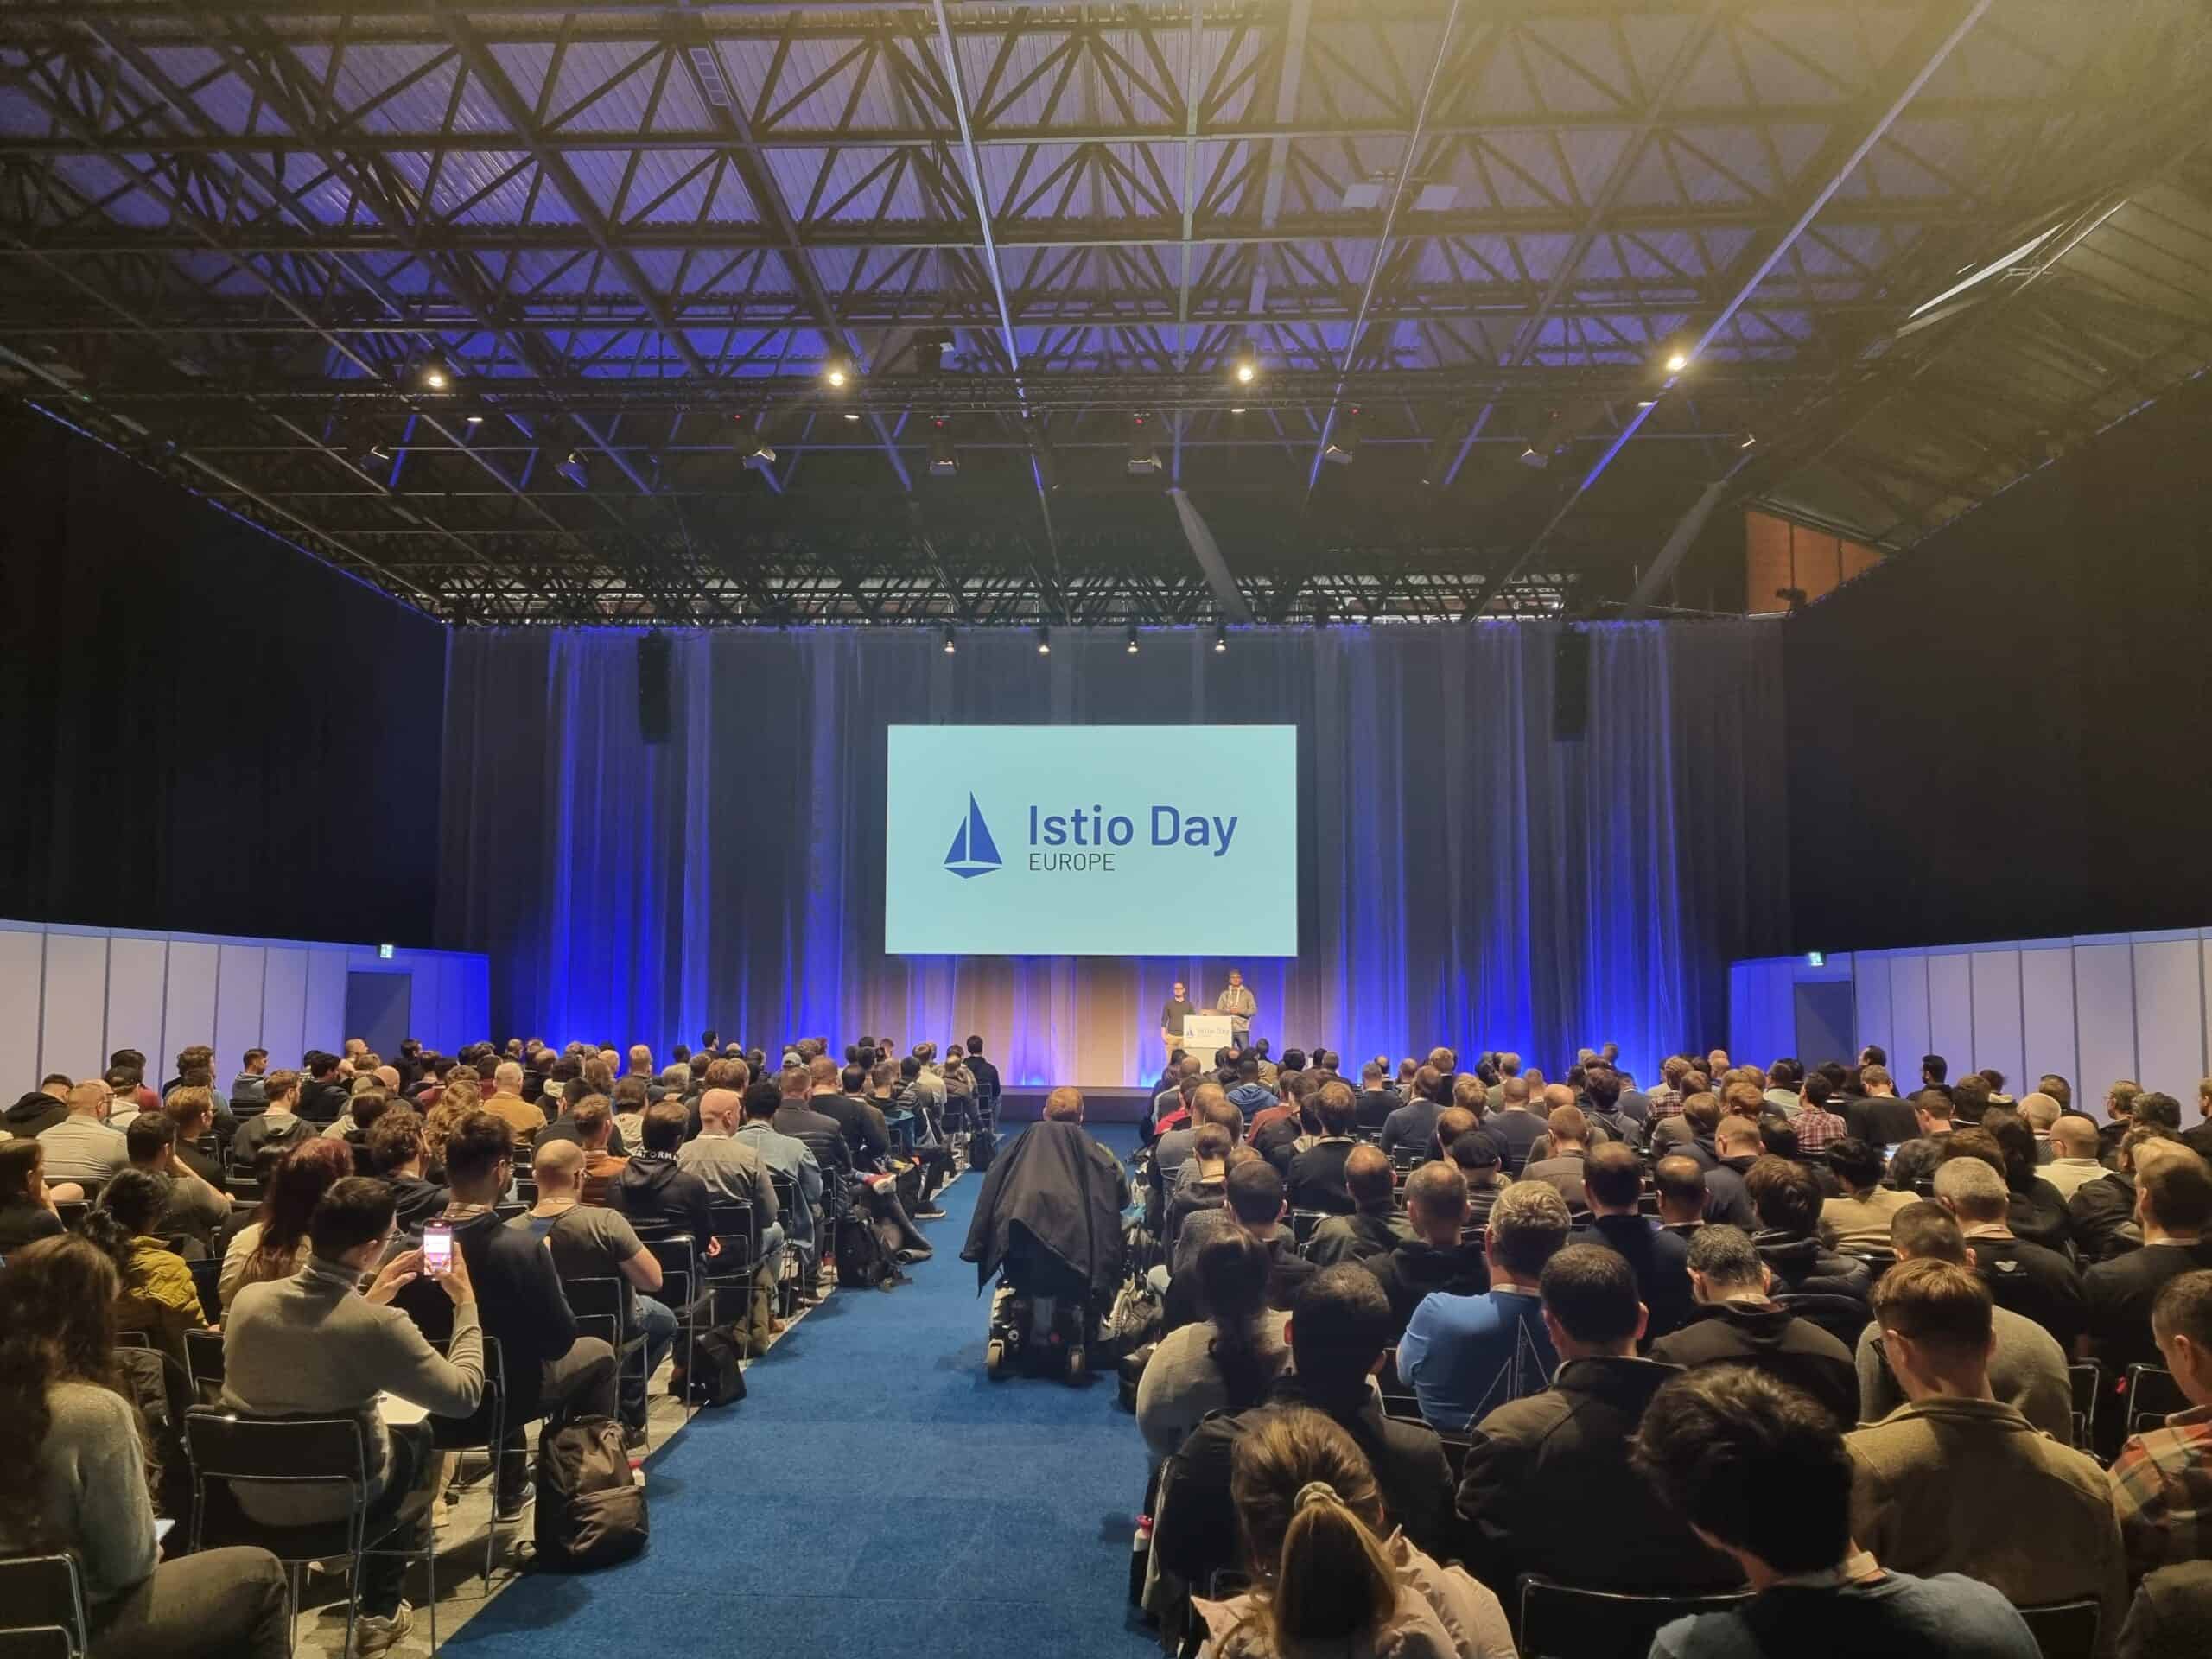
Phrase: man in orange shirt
(523,1121)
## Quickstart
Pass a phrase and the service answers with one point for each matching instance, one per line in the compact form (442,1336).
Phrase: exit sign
(384,952)
(1815,959)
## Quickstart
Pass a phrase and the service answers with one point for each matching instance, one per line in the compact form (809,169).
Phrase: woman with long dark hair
(2038,1211)
(274,1244)
(1332,1579)
(79,1479)
(1226,1364)
(26,1211)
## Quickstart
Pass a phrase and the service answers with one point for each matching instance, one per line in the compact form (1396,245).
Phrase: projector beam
(1234,606)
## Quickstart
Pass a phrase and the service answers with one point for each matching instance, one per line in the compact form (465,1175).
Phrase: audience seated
(1861,1218)
(733,1171)
(322,1096)
(39,1110)
(551,1371)
(1437,1256)
(1559,1158)
(591,1242)
(1737,1146)
(82,1146)
(78,1478)
(1760,1471)
(1547,1487)
(2173,1207)
(1228,1361)
(784,1154)
(2035,1282)
(1514,1119)
(1317,1173)
(1203,1183)
(2162,1479)
(1659,1260)
(1738,1322)
(317,1343)
(398,1155)
(1821,1286)
(1414,1123)
(192,1114)
(1255,1205)
(159,1297)
(809,1119)
(27,1206)
(1338,1334)
(1878,1117)
(279,1126)
(2074,1155)
(1374,1227)
(1332,1578)
(1679,1182)
(273,1244)
(1467,1354)
(193,1212)
(505,1102)
(842,1099)
(1958,1481)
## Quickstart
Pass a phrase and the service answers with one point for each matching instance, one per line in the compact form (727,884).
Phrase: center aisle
(875,1495)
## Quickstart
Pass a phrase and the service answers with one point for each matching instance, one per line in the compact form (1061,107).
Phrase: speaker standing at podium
(1238,1004)
(1172,1013)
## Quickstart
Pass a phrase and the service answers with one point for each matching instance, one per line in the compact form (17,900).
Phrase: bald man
(2073,1147)
(733,1171)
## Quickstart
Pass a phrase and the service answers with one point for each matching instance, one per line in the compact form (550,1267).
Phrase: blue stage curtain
(1466,879)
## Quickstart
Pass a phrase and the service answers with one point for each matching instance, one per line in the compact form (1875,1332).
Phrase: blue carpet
(874,1494)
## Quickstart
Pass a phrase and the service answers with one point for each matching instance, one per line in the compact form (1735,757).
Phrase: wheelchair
(1043,1323)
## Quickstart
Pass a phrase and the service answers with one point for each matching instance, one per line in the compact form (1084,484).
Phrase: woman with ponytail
(1227,1363)
(77,1476)
(158,1295)
(1332,1579)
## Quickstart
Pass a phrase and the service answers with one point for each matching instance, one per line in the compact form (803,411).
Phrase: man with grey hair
(1467,1355)
(2033,1281)
(506,1104)
(675,1083)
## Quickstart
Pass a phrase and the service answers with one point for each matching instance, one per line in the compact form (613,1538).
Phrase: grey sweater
(91,1475)
(313,1343)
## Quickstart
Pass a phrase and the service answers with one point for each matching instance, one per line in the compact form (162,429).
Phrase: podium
(1203,1033)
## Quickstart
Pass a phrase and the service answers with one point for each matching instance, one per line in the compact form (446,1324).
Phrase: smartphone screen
(437,1249)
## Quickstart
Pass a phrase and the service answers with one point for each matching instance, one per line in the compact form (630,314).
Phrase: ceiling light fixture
(945,459)
(1247,367)
(1132,646)
(1144,454)
(837,370)
(1045,640)
(1677,361)
(436,373)
(1343,438)
(1220,637)
(950,646)
(574,470)
(751,442)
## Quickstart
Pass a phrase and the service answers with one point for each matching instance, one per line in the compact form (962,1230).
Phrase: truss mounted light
(1343,438)
(435,374)
(574,470)
(1220,636)
(1045,640)
(1677,360)
(952,644)
(751,443)
(944,457)
(1132,646)
(838,372)
(930,347)
(1246,369)
(1144,454)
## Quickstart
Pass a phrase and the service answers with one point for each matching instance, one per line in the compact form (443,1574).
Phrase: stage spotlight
(474,420)
(852,415)
(1247,369)
(1132,646)
(1237,409)
(930,347)
(1220,637)
(1343,438)
(837,370)
(574,470)
(1677,361)
(945,460)
(1045,640)
(1144,454)
(950,645)
(751,442)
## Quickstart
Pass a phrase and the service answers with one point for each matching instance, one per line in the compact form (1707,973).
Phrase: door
(1825,1026)
(377,1007)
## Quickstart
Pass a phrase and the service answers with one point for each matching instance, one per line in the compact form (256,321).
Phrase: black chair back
(2152,1397)
(2065,1630)
(1560,1622)
(203,1360)
(42,1607)
(1302,1223)
(600,1309)
(2086,1379)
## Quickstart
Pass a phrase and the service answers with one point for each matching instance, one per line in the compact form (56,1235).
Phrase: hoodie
(1416,1267)
(1771,1338)
(34,1113)
(653,1191)
(1830,1290)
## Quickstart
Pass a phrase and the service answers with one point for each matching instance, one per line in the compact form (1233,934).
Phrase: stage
(1026,1105)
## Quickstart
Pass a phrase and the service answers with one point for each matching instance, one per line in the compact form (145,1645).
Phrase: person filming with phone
(318,1343)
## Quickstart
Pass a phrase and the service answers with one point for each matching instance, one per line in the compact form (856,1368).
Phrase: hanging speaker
(1570,685)
(652,689)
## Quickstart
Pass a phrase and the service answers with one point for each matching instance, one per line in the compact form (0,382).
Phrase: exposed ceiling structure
(531,316)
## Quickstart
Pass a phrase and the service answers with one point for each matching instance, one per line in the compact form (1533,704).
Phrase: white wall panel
(22,952)
(1997,1038)
(1908,1017)
(238,1007)
(325,1010)
(1950,1011)
(284,1006)
(138,979)
(2104,1017)
(2047,1014)
(190,1016)
(74,1019)
(2170,1017)
(429,1012)
(1870,981)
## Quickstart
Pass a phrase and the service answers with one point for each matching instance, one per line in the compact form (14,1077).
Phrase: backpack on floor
(982,1146)
(716,1378)
(862,1262)
(591,1511)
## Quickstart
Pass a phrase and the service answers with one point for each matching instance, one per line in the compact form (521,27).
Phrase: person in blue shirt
(1759,1470)
(1250,1095)
(1466,1356)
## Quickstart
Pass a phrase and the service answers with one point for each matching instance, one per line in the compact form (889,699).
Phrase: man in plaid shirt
(2162,1480)
(1816,1125)
(1666,1099)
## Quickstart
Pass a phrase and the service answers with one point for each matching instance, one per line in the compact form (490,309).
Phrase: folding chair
(203,1364)
(1302,1224)
(732,1268)
(485,1428)
(682,1290)
(43,1607)
(1560,1622)
(2065,1630)
(602,1309)
(2086,1379)
(207,1279)
(2152,1397)
(229,1451)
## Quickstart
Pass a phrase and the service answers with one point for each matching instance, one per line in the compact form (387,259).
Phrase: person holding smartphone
(317,1343)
